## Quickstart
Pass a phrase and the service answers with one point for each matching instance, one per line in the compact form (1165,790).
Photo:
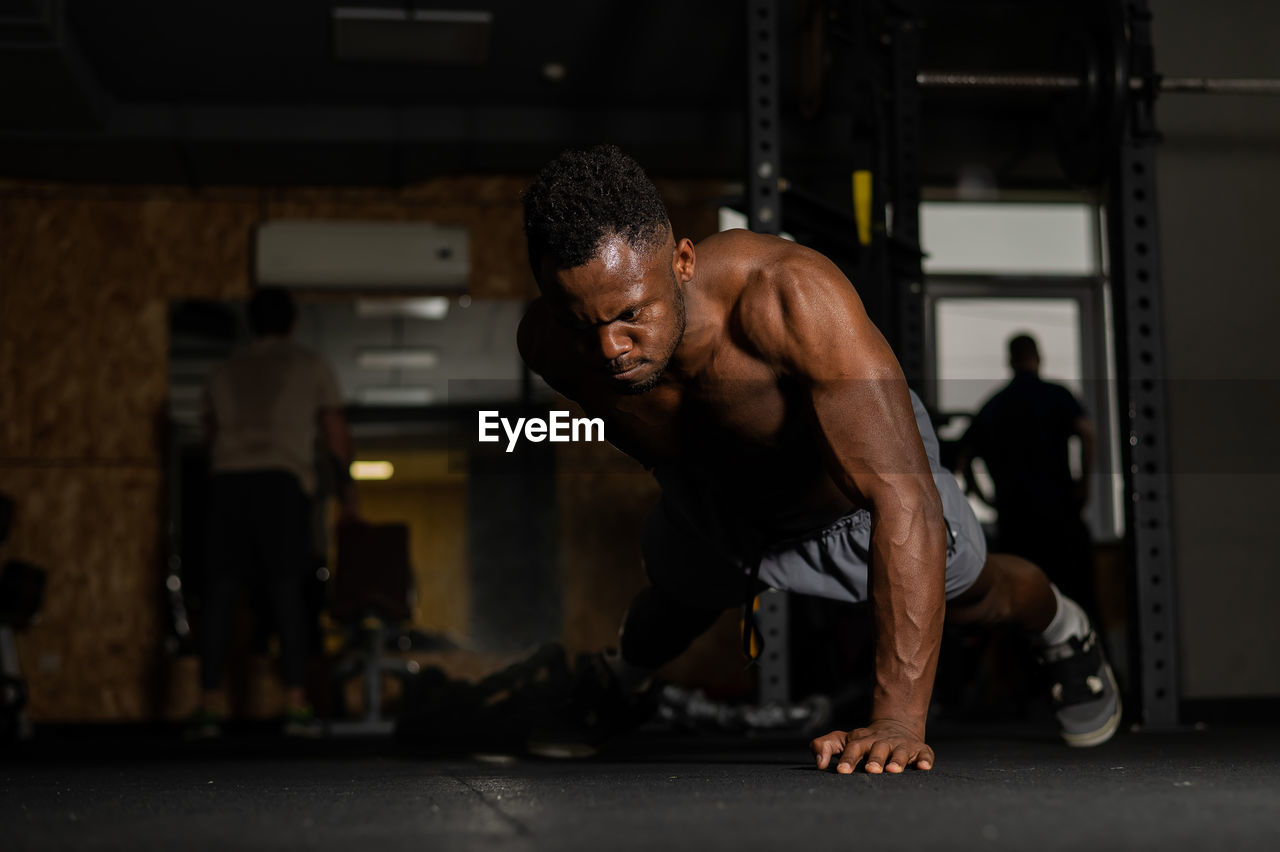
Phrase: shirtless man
(746,374)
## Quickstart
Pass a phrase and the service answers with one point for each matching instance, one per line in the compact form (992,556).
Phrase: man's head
(271,312)
(602,252)
(1024,356)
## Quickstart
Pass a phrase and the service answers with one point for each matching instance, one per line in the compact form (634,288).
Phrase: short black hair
(271,311)
(583,197)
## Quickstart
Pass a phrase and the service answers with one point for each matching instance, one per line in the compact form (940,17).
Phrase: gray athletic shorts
(704,557)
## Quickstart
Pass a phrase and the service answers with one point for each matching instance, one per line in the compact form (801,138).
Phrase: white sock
(631,678)
(1068,621)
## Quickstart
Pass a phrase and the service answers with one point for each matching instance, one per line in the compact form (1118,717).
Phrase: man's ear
(684,261)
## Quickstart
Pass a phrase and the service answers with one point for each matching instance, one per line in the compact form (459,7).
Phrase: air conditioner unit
(362,256)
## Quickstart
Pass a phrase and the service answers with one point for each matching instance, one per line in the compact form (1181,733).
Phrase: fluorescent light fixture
(401,358)
(429,307)
(375,471)
(392,396)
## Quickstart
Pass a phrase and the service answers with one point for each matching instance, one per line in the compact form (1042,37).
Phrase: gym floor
(1009,788)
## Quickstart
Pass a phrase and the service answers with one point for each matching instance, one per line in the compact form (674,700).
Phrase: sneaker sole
(1107,731)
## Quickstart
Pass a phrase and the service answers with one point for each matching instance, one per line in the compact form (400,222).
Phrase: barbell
(1015,81)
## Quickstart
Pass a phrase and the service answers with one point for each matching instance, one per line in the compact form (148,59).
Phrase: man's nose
(613,343)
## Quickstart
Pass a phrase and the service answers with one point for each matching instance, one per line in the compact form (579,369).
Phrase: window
(995,270)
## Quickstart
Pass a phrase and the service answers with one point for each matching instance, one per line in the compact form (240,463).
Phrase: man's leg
(221,587)
(283,520)
(1011,590)
(658,629)
(224,567)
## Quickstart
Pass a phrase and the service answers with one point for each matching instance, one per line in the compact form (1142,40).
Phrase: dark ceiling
(206,92)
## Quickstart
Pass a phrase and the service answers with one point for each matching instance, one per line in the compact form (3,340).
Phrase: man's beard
(654,378)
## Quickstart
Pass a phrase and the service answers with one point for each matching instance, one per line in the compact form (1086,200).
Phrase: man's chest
(735,409)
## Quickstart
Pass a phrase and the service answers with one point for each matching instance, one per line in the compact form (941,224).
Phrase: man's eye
(627,316)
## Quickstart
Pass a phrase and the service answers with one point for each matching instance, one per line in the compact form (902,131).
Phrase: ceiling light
(396,396)
(429,308)
(400,358)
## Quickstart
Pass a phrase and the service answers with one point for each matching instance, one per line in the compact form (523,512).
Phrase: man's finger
(900,759)
(924,760)
(853,751)
(824,747)
(878,755)
(822,750)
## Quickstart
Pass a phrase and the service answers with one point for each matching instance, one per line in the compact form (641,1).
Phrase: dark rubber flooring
(991,789)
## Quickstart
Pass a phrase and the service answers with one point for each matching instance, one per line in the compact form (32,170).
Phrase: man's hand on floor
(885,744)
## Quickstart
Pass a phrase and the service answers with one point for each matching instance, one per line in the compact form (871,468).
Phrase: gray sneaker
(1085,697)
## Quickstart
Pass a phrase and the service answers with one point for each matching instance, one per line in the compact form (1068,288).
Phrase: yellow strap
(862,205)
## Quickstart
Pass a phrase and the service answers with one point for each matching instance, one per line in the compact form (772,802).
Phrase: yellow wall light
(367,471)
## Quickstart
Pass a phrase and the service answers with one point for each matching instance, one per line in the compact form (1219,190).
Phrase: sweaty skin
(751,360)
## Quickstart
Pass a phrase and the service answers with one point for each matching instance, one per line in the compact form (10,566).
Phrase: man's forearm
(908,601)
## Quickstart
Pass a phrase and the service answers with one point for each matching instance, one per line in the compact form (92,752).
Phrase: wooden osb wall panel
(86,312)
(200,247)
(96,530)
(14,417)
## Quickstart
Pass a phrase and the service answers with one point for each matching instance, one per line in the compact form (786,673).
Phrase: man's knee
(990,600)
(658,628)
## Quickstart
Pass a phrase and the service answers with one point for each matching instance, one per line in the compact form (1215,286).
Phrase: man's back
(1022,434)
(264,401)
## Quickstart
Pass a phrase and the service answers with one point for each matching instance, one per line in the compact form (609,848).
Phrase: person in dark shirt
(1022,433)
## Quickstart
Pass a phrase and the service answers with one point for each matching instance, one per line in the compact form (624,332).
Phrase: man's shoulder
(1066,398)
(785,291)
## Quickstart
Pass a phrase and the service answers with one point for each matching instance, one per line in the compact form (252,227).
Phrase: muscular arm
(809,322)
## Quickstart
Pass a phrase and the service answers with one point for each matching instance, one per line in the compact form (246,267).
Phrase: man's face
(625,309)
